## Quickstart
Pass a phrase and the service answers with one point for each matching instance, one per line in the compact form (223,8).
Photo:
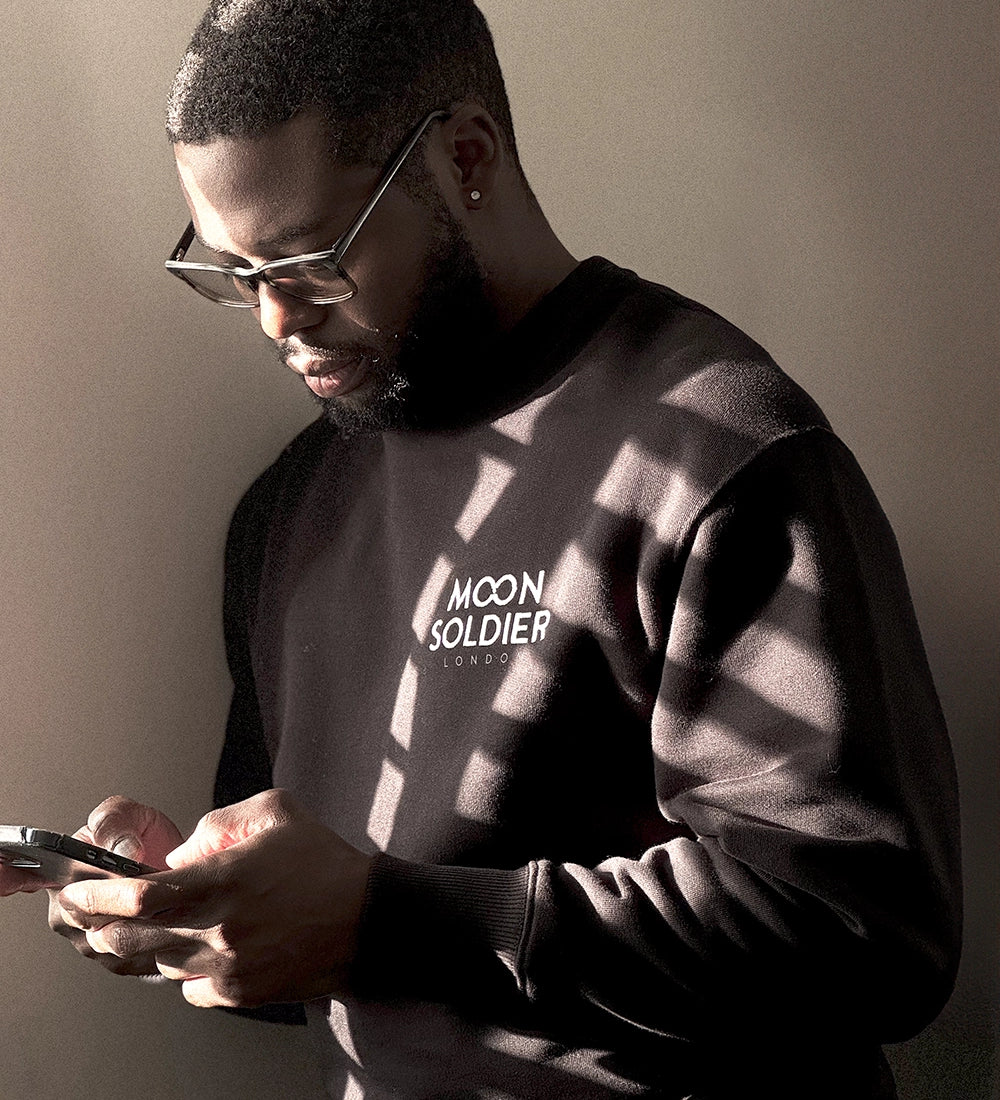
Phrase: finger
(203,993)
(92,903)
(231,825)
(201,843)
(228,826)
(186,896)
(118,824)
(61,922)
(133,830)
(197,846)
(78,939)
(176,973)
(141,966)
(133,939)
(14,880)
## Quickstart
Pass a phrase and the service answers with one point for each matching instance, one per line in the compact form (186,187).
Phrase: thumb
(133,830)
(213,833)
(230,825)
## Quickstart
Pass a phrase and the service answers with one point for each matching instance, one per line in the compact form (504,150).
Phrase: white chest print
(480,628)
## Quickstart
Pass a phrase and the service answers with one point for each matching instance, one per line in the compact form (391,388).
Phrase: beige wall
(825,175)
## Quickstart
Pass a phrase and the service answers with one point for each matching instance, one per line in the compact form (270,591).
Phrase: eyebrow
(218,251)
(289,234)
(285,236)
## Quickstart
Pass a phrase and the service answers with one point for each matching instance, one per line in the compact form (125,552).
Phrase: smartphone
(61,859)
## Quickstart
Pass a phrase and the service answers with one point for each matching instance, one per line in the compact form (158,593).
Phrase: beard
(428,376)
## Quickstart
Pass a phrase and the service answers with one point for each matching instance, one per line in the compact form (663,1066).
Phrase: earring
(475,195)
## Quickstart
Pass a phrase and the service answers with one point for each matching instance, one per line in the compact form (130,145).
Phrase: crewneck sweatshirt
(618,678)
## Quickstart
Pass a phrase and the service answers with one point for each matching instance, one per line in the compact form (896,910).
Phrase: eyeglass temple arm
(390,173)
(180,249)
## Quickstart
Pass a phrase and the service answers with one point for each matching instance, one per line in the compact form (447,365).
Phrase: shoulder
(687,398)
(669,352)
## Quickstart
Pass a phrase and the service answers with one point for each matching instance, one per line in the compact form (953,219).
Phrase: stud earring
(475,195)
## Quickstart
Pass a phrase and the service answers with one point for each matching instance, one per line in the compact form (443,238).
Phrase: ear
(475,154)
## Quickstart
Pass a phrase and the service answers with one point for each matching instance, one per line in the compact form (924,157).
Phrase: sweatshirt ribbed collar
(537,353)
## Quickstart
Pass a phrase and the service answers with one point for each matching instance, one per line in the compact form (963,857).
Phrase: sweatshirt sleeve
(244,767)
(809,866)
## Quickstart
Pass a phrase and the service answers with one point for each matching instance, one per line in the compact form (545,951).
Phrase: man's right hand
(130,829)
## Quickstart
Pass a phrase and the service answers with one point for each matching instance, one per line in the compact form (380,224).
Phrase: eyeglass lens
(318,282)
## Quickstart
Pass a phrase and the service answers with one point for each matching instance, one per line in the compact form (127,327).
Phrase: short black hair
(372,68)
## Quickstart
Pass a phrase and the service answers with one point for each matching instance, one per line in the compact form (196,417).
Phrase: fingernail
(127,846)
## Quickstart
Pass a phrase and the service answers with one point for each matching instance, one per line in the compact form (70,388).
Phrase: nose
(281,315)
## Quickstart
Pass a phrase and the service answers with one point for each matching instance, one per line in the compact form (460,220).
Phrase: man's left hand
(262,904)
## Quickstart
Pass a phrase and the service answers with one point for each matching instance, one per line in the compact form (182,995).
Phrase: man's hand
(262,905)
(130,829)
(13,880)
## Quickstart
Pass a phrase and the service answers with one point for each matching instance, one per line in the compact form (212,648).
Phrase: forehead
(248,194)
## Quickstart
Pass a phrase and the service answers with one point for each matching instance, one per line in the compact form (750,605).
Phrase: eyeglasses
(313,277)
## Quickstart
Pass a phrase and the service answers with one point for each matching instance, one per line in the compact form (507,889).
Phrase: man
(582,742)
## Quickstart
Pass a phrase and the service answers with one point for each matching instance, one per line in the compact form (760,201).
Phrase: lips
(336,381)
(329,375)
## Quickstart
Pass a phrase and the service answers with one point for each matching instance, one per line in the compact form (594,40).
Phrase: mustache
(322,357)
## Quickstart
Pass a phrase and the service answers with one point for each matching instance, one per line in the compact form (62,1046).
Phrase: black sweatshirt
(621,678)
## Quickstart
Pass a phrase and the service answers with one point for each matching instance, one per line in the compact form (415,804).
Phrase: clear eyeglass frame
(316,277)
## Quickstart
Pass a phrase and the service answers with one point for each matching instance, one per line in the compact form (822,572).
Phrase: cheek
(390,273)
(388,292)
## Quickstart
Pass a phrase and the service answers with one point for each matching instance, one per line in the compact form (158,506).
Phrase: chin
(378,405)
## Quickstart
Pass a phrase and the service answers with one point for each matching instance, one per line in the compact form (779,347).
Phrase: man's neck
(523,260)
(526,283)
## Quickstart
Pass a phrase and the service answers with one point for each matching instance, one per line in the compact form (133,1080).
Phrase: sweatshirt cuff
(427,928)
